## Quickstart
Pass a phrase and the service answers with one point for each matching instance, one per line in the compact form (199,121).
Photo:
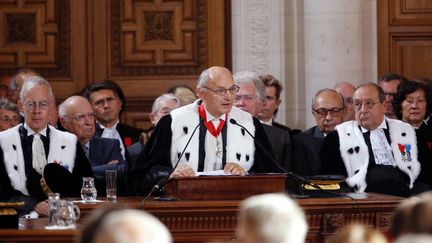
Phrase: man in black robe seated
(215,143)
(375,153)
(27,148)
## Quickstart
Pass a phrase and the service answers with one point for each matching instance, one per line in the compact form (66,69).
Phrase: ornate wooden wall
(405,37)
(144,45)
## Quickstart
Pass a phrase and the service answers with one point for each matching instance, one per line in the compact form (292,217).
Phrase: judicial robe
(170,136)
(348,151)
(20,182)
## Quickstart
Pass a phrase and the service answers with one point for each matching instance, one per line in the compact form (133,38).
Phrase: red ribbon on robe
(209,124)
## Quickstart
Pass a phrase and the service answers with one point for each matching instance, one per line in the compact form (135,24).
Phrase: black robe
(154,162)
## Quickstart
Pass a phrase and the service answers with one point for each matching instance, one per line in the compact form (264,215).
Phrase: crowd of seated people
(378,135)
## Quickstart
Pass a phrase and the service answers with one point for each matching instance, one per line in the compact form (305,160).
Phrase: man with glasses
(37,158)
(252,99)
(77,117)
(327,107)
(389,83)
(9,114)
(375,153)
(108,101)
(203,131)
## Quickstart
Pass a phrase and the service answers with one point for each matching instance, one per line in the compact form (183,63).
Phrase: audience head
(124,225)
(273,89)
(251,96)
(162,106)
(327,107)
(9,114)
(35,98)
(271,218)
(53,112)
(17,82)
(357,233)
(107,100)
(369,105)
(389,83)
(400,223)
(412,102)
(184,93)
(217,89)
(77,116)
(4,86)
(346,89)
(420,221)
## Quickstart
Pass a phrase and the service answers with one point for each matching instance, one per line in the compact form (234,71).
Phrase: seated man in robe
(26,149)
(375,153)
(215,142)
(77,117)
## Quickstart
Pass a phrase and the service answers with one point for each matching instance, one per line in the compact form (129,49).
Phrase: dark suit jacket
(280,141)
(102,151)
(128,134)
(292,132)
(306,152)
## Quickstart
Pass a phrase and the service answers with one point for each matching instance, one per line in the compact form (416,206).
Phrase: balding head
(346,89)
(327,106)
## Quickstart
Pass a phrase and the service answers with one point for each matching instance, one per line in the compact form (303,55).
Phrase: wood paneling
(144,45)
(405,37)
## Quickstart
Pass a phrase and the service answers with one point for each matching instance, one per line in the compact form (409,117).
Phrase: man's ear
(63,122)
(152,118)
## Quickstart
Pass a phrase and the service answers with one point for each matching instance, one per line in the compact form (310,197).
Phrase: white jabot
(213,146)
(38,151)
(111,132)
(381,148)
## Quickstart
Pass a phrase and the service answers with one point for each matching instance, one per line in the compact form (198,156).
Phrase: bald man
(346,89)
(214,140)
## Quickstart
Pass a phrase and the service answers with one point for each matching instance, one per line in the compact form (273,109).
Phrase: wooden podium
(224,187)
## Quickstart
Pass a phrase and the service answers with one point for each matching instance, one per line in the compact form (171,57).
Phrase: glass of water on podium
(111,185)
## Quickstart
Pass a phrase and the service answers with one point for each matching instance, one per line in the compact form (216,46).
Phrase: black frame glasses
(222,91)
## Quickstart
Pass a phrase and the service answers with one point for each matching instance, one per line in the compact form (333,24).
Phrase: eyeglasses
(221,91)
(102,102)
(417,102)
(368,104)
(81,117)
(9,119)
(244,97)
(31,105)
(322,112)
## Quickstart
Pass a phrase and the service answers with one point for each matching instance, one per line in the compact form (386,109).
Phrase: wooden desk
(203,221)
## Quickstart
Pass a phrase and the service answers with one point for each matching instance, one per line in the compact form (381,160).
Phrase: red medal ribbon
(209,124)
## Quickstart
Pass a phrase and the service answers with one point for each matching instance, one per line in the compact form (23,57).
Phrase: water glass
(88,190)
(111,185)
(53,207)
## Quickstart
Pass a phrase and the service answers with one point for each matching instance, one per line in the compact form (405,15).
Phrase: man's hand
(41,208)
(234,169)
(113,162)
(183,171)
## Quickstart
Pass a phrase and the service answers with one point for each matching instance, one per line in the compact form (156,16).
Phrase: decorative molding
(158,38)
(333,222)
(384,220)
(20,28)
(37,35)
(259,35)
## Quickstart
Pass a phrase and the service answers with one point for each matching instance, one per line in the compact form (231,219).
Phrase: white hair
(271,218)
(248,77)
(157,102)
(133,226)
(33,81)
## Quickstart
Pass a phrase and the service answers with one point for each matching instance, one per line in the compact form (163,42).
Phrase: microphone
(164,179)
(293,175)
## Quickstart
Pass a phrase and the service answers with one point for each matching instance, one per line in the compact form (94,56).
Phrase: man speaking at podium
(206,135)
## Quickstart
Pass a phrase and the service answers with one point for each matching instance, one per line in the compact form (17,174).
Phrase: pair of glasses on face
(9,119)
(31,105)
(416,102)
(368,104)
(81,117)
(222,91)
(244,97)
(322,112)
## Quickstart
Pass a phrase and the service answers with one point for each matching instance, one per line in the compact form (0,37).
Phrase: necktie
(86,151)
(38,154)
